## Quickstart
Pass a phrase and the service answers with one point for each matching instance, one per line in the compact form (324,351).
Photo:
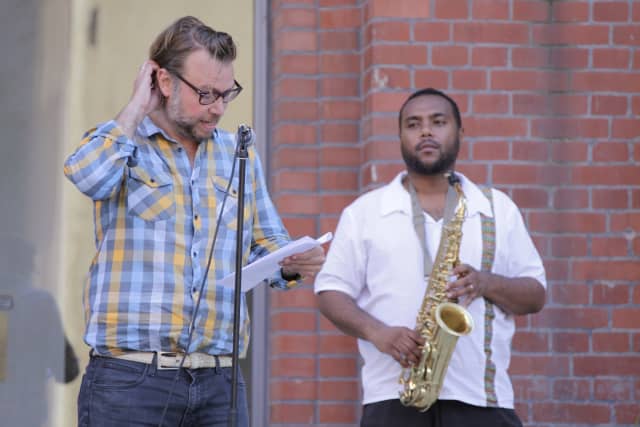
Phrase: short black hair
(436,92)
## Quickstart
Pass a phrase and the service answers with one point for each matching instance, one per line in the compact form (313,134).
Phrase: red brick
(610,199)
(488,32)
(343,40)
(294,133)
(611,11)
(343,18)
(380,126)
(570,294)
(339,180)
(570,34)
(531,388)
(339,132)
(302,413)
(625,128)
(339,390)
(340,156)
(574,317)
(605,175)
(340,87)
(627,413)
(609,246)
(524,174)
(404,9)
(605,270)
(571,198)
(296,110)
(626,35)
(569,246)
(491,150)
(625,222)
(396,54)
(432,78)
(395,31)
(292,390)
(337,344)
(385,102)
(296,180)
(386,78)
(605,81)
(514,127)
(569,57)
(490,9)
(570,11)
(571,389)
(611,58)
(563,151)
(449,56)
(338,367)
(469,79)
(299,227)
(557,269)
(431,31)
(571,412)
(530,151)
(570,342)
(489,56)
(294,18)
(610,342)
(628,318)
(338,413)
(530,11)
(609,105)
(529,80)
(530,57)
(606,365)
(295,40)
(298,298)
(292,367)
(382,150)
(340,110)
(531,198)
(297,64)
(294,321)
(569,128)
(295,157)
(339,63)
(451,9)
(295,344)
(296,88)
(539,365)
(531,342)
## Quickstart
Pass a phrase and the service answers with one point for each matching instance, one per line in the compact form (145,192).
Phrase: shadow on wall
(33,346)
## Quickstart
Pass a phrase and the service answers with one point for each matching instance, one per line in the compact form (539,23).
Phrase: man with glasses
(165,192)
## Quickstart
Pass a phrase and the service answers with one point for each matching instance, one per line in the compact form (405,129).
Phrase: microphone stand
(243,141)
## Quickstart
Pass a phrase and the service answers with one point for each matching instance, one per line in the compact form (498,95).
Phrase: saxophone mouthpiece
(453,178)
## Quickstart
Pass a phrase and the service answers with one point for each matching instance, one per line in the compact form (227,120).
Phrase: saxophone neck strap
(453,194)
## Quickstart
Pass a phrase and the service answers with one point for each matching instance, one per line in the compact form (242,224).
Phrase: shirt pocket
(229,216)
(150,194)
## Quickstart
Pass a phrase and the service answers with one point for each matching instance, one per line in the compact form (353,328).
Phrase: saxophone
(440,321)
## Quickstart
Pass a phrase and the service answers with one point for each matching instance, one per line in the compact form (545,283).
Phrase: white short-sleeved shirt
(376,259)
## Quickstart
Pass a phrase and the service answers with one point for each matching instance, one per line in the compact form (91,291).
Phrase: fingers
(307,264)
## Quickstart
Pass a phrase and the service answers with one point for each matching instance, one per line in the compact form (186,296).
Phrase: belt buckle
(176,361)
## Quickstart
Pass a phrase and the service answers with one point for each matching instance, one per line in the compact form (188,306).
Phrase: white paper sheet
(265,267)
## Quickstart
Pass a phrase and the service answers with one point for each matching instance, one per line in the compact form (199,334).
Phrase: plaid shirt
(155,217)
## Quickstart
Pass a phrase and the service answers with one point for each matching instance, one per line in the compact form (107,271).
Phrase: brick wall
(550,96)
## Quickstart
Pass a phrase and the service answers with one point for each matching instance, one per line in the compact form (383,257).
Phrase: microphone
(245,135)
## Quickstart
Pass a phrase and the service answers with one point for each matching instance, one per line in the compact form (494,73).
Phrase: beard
(443,163)
(184,126)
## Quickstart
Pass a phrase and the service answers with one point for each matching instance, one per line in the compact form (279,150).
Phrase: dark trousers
(443,413)
(120,393)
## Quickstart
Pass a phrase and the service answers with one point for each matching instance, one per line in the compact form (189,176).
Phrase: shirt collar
(396,199)
(147,129)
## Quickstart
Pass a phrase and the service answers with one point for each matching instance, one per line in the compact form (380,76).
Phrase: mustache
(431,143)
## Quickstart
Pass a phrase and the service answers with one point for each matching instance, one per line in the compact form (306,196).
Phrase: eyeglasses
(208,98)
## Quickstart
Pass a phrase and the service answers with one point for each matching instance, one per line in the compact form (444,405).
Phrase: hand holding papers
(265,267)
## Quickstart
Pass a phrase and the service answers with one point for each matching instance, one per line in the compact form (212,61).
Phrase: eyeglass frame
(217,95)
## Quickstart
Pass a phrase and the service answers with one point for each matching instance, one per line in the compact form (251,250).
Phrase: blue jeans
(122,393)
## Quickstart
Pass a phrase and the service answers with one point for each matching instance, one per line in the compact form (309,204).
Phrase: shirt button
(195,254)
(195,217)
(179,149)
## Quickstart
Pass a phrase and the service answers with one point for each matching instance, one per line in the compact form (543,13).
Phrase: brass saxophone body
(440,321)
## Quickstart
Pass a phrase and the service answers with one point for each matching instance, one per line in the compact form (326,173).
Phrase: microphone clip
(244,138)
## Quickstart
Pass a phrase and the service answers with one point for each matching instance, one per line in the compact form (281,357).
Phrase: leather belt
(171,360)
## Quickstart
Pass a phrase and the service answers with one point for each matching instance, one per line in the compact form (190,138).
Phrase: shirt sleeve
(96,168)
(523,259)
(269,233)
(345,266)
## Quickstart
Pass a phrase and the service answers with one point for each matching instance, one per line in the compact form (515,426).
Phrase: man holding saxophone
(403,253)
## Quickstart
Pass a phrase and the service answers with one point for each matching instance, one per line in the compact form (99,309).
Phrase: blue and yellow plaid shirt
(155,216)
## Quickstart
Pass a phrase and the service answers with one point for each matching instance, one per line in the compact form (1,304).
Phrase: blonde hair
(187,35)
